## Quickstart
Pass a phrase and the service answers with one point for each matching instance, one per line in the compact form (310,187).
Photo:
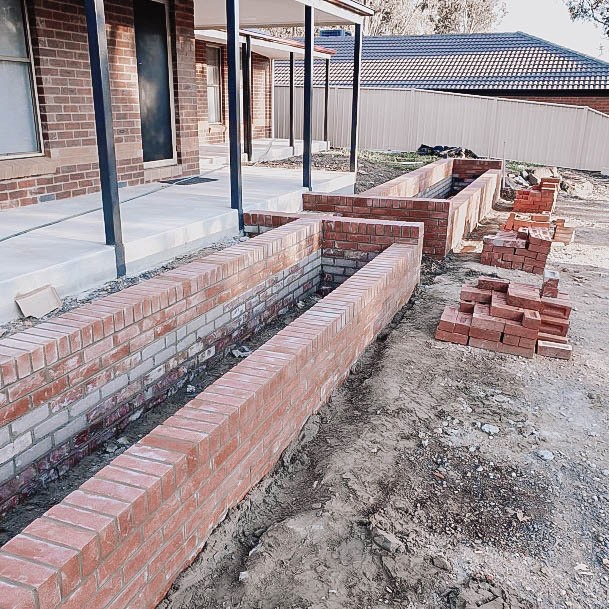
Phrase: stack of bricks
(517,221)
(525,250)
(560,233)
(510,317)
(563,234)
(538,199)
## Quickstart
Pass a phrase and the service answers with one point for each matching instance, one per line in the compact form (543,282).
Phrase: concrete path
(61,243)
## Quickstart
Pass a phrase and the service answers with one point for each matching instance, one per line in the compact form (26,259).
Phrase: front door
(155,81)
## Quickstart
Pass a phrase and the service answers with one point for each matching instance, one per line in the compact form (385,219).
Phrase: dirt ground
(395,497)
(373,168)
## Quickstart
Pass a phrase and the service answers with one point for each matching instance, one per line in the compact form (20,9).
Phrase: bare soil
(395,497)
(373,168)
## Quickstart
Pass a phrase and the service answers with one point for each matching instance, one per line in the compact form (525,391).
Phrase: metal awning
(265,45)
(211,14)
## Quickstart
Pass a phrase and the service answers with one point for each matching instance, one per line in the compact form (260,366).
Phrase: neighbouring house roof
(497,61)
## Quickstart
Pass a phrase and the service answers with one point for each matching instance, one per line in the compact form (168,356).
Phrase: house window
(19,127)
(214,84)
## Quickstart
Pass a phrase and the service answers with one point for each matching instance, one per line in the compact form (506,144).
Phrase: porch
(263,149)
(61,243)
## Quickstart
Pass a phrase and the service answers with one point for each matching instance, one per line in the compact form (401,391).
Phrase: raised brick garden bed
(122,538)
(424,196)
(523,250)
(70,384)
(510,317)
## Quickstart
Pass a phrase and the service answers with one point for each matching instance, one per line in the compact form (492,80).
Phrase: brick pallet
(538,199)
(524,250)
(510,317)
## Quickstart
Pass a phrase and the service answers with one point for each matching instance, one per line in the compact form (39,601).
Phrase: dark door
(150,22)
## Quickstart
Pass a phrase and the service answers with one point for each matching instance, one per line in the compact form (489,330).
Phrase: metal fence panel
(403,119)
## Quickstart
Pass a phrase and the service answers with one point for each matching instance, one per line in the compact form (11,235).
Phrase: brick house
(510,65)
(212,80)
(169,95)
(48,150)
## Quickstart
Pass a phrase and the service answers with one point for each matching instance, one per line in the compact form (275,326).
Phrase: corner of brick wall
(121,539)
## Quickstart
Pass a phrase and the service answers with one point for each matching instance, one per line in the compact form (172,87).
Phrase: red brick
(45,580)
(65,560)
(554,349)
(20,597)
(489,345)
(451,337)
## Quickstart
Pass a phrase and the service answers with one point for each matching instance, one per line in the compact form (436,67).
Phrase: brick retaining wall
(447,221)
(122,538)
(347,244)
(69,384)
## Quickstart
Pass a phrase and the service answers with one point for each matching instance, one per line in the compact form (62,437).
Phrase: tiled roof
(515,61)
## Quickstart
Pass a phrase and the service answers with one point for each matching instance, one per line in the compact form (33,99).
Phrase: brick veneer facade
(262,97)
(63,82)
(597,100)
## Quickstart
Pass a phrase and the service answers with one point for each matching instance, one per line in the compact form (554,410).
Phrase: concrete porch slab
(265,149)
(61,243)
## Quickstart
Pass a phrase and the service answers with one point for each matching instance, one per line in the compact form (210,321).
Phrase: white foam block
(38,302)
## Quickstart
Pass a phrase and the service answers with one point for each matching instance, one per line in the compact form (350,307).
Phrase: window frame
(219,87)
(33,90)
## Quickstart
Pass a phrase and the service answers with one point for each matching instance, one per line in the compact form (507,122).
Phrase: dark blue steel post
(234,111)
(307,132)
(292,101)
(247,98)
(326,100)
(100,78)
(357,79)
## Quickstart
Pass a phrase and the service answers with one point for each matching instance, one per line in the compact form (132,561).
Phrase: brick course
(122,538)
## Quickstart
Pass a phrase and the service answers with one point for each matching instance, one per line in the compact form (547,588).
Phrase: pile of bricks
(517,221)
(510,317)
(558,230)
(538,199)
(523,250)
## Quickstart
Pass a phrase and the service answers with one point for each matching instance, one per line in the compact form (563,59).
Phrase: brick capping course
(122,537)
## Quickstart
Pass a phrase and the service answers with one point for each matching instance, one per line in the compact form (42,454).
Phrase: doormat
(189,181)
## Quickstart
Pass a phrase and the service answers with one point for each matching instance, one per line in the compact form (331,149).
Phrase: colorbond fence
(403,119)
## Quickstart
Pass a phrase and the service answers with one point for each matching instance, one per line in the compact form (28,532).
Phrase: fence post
(582,136)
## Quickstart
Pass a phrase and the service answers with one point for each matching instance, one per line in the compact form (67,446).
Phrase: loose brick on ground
(510,317)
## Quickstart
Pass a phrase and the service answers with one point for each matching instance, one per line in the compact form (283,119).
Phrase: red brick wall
(71,383)
(413,183)
(69,166)
(121,539)
(597,102)
(347,244)
(261,97)
(447,221)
